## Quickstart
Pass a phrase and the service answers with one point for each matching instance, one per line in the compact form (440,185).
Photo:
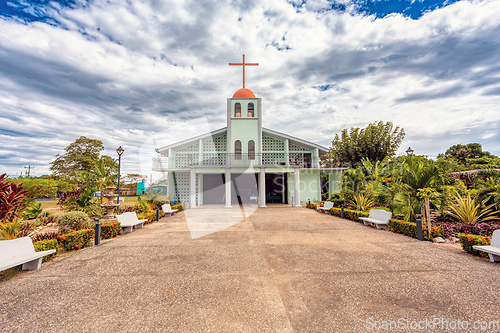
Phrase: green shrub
(142,206)
(410,229)
(110,230)
(72,221)
(45,245)
(76,240)
(179,207)
(150,216)
(468,241)
(312,206)
(348,213)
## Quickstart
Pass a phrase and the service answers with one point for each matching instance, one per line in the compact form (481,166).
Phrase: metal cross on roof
(243,64)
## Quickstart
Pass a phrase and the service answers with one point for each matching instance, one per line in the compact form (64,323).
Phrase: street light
(119,151)
(409,151)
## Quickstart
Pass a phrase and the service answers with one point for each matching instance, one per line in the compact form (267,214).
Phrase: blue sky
(143,74)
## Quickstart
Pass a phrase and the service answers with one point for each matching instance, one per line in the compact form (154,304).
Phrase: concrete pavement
(279,270)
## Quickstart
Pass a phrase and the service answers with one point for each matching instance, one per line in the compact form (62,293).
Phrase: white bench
(493,250)
(326,207)
(378,217)
(19,251)
(129,221)
(168,210)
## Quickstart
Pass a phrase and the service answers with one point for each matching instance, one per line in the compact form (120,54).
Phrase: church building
(244,162)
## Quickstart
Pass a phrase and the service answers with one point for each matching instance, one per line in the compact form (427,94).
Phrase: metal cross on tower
(243,64)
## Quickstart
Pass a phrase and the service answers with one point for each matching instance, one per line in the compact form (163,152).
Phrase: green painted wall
(244,128)
(309,185)
(334,182)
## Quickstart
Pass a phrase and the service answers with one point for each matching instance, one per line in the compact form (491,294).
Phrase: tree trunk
(428,215)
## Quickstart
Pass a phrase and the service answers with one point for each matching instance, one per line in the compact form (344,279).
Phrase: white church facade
(244,162)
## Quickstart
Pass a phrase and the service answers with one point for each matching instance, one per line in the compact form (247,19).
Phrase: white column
(171,159)
(287,152)
(192,190)
(315,161)
(228,188)
(200,152)
(262,188)
(319,185)
(200,189)
(171,185)
(296,184)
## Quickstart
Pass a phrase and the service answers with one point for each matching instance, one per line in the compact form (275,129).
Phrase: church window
(250,110)
(237,150)
(251,150)
(237,110)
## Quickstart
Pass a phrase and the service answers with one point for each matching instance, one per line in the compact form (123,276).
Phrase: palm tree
(419,180)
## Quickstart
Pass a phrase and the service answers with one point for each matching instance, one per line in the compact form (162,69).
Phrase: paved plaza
(280,269)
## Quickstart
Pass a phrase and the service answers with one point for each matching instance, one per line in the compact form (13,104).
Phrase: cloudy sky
(147,73)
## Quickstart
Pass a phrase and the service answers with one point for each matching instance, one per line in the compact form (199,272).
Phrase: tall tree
(81,155)
(463,152)
(374,142)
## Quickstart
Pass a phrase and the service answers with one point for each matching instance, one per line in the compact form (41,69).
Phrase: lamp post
(409,151)
(119,151)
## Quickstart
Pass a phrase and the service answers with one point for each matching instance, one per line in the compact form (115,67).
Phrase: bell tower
(244,122)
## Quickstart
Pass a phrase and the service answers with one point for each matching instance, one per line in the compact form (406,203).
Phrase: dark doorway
(213,189)
(244,186)
(275,187)
(307,160)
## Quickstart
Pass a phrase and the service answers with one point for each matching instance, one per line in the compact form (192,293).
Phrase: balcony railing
(187,160)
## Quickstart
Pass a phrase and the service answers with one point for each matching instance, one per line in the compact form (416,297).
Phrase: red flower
(468,238)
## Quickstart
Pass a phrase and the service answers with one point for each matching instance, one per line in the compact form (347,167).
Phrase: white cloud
(121,72)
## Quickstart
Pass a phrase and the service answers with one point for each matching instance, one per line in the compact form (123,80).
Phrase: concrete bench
(129,221)
(493,250)
(168,210)
(326,207)
(378,217)
(19,251)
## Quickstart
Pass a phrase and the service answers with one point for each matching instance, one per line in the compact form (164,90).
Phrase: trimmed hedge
(349,213)
(179,207)
(45,245)
(110,230)
(468,241)
(313,205)
(150,216)
(76,240)
(410,229)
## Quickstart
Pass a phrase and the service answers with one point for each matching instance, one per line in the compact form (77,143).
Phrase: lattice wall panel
(217,144)
(272,144)
(191,148)
(184,160)
(214,159)
(296,158)
(182,186)
(273,158)
(296,147)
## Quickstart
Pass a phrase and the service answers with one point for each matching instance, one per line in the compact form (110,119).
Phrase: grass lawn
(51,207)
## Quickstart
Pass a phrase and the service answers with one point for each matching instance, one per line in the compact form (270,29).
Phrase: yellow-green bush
(45,245)
(179,207)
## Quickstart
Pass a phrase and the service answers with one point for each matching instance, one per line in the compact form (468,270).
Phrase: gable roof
(322,149)
(164,149)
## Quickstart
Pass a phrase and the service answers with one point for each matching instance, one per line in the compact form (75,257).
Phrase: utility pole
(29,167)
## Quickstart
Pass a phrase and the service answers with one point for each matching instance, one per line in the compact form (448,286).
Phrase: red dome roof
(243,93)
